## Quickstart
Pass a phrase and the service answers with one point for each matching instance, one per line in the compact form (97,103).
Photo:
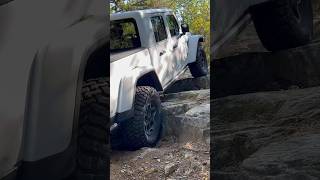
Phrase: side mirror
(184,28)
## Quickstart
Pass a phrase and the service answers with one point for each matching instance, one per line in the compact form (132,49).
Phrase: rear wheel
(283,24)
(144,129)
(200,66)
(93,141)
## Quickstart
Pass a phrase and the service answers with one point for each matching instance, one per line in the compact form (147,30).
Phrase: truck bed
(114,56)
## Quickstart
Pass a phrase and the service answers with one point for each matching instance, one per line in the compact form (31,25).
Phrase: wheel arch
(150,79)
(53,103)
(193,44)
(139,76)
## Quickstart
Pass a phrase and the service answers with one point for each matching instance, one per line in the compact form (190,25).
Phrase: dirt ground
(172,158)
(169,160)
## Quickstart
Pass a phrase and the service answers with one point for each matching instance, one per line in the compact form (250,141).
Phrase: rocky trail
(183,152)
(271,135)
(265,115)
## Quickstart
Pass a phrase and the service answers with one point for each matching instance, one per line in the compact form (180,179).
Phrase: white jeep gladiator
(149,50)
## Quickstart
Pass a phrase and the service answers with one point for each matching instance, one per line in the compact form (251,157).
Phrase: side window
(124,35)
(173,25)
(159,29)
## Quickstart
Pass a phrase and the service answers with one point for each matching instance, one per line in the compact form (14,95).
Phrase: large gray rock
(295,158)
(187,115)
(267,71)
(195,126)
(188,83)
(267,135)
(247,41)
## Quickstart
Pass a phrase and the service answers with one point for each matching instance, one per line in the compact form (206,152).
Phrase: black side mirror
(185,28)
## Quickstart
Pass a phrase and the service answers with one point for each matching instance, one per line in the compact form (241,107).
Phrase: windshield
(124,35)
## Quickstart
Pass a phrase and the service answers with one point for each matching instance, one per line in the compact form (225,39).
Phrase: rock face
(267,71)
(187,115)
(196,124)
(267,135)
(295,158)
(188,83)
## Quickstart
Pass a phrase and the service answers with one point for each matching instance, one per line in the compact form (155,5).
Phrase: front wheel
(144,129)
(200,66)
(93,131)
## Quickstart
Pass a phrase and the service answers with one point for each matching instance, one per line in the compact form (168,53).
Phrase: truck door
(163,59)
(10,117)
(177,43)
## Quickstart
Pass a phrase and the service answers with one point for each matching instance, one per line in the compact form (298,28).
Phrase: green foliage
(127,5)
(196,13)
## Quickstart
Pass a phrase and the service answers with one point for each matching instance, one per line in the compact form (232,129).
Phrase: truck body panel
(120,70)
(28,28)
(53,88)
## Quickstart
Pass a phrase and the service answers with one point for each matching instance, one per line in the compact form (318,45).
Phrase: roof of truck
(137,13)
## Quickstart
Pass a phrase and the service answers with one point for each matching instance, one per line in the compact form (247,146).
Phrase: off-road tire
(93,131)
(200,66)
(134,133)
(283,24)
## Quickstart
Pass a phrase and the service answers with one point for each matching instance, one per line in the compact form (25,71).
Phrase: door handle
(162,53)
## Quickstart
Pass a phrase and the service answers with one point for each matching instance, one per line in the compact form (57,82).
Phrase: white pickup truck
(149,50)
